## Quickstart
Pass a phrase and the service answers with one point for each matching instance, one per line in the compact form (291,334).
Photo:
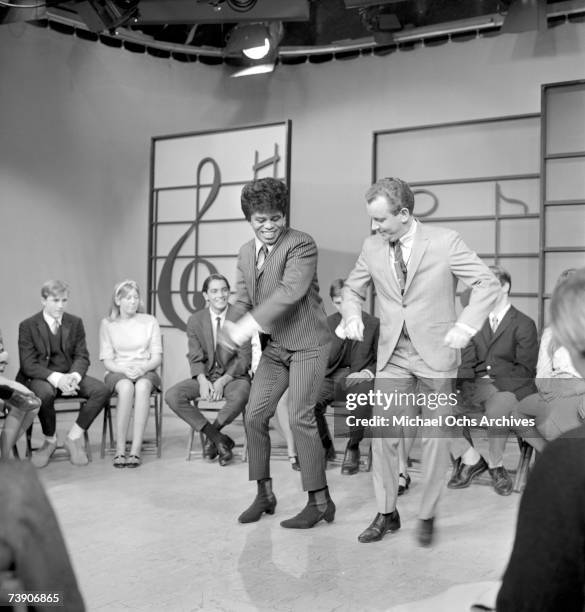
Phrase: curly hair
(567,311)
(263,196)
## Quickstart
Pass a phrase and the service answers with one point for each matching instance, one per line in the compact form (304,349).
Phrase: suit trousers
(302,372)
(483,396)
(181,400)
(405,374)
(30,538)
(91,389)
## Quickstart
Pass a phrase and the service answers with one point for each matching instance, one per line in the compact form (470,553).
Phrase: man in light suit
(53,363)
(497,370)
(414,269)
(277,288)
(212,378)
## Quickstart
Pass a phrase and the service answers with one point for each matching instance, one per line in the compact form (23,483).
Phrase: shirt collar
(50,320)
(407,239)
(259,244)
(500,313)
(214,316)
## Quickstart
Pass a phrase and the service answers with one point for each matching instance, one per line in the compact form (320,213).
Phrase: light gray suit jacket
(438,258)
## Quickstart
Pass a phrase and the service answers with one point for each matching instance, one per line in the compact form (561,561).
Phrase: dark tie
(217,360)
(399,265)
(262,253)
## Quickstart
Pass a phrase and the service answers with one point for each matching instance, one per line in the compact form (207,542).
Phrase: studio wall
(77,120)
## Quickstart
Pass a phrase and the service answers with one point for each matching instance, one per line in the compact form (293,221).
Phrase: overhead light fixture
(254,40)
(253,47)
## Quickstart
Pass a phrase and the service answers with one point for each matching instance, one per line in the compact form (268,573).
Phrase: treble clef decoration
(165,280)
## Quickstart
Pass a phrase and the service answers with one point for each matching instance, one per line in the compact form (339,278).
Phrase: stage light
(254,40)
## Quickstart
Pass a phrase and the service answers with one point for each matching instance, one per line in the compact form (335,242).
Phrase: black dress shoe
(382,524)
(209,450)
(310,515)
(501,480)
(425,532)
(466,473)
(351,461)
(403,483)
(264,502)
(224,450)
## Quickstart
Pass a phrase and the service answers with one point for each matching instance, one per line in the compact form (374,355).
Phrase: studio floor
(166,537)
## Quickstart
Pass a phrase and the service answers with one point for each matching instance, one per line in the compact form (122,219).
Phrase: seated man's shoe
(310,515)
(425,531)
(382,524)
(351,460)
(224,450)
(209,450)
(501,480)
(41,457)
(466,473)
(265,501)
(77,454)
(457,465)
(403,483)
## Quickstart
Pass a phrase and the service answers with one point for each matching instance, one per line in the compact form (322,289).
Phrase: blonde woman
(131,351)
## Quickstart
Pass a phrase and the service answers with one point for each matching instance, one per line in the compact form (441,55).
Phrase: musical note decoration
(165,279)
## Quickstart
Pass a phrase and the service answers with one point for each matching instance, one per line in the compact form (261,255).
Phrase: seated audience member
(53,363)
(20,407)
(559,404)
(211,377)
(32,548)
(131,351)
(497,370)
(546,570)
(351,368)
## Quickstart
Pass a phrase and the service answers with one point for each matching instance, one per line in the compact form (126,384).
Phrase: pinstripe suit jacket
(283,296)
(438,258)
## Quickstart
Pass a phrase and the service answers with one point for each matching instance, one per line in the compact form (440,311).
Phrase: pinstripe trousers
(302,372)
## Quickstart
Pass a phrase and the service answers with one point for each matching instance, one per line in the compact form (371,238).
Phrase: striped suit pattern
(283,297)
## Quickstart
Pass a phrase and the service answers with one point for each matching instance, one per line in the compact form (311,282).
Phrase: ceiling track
(557,14)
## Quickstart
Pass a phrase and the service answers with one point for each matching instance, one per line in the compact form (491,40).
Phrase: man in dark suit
(351,368)
(53,363)
(414,268)
(211,377)
(278,289)
(497,370)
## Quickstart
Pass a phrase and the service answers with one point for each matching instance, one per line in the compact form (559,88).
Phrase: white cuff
(54,379)
(466,328)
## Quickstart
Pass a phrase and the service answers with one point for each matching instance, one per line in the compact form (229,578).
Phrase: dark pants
(181,400)
(333,389)
(91,389)
(31,544)
(302,372)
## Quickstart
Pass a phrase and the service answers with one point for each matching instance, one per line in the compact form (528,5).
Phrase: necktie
(262,253)
(399,265)
(494,322)
(55,326)
(217,328)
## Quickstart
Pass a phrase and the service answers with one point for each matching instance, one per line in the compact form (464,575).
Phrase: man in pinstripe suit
(277,288)
(414,268)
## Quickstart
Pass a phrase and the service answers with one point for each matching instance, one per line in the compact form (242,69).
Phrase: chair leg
(523,463)
(190,444)
(104,431)
(158,425)
(87,446)
(202,440)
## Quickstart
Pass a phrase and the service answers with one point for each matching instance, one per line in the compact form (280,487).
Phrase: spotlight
(254,40)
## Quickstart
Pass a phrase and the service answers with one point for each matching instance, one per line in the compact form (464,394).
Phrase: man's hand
(457,338)
(217,388)
(205,387)
(356,377)
(354,329)
(20,388)
(68,385)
